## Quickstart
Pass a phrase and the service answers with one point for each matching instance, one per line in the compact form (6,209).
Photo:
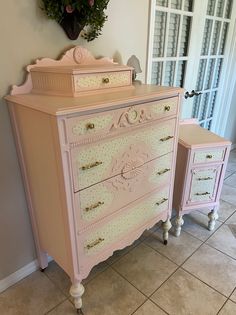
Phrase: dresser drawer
(203,184)
(94,163)
(104,80)
(209,155)
(102,236)
(82,128)
(104,198)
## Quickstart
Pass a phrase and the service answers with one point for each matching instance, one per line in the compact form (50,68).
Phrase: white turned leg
(178,224)
(213,216)
(76,291)
(166,226)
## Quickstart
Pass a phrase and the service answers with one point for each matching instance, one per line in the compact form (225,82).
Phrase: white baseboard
(18,275)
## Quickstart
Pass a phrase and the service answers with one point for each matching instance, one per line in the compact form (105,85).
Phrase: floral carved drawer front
(88,128)
(108,196)
(94,163)
(98,239)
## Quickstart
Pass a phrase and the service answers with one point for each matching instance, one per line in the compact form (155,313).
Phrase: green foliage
(91,14)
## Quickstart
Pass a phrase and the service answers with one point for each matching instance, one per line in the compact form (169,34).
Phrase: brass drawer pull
(162,201)
(96,205)
(209,156)
(202,194)
(95,243)
(205,178)
(163,171)
(166,138)
(90,126)
(88,166)
(167,108)
(105,80)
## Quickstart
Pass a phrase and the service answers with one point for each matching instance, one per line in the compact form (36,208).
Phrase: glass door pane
(211,60)
(170,42)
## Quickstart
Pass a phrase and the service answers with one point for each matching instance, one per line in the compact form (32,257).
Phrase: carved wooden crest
(132,116)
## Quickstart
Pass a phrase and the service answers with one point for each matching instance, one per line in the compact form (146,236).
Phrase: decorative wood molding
(132,116)
(72,57)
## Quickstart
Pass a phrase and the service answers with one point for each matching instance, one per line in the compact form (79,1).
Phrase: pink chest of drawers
(201,163)
(98,171)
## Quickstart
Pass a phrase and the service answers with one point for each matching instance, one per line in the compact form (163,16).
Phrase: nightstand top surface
(194,136)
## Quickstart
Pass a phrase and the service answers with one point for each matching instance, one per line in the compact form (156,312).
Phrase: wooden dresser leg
(166,226)
(76,291)
(178,224)
(213,216)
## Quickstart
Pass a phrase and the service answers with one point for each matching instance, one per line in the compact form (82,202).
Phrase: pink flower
(69,8)
(91,2)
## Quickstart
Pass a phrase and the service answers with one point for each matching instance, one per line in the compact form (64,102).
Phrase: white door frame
(228,77)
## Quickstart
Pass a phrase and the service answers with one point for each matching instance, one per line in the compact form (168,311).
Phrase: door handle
(193,93)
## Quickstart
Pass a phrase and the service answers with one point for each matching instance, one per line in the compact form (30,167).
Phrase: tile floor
(194,275)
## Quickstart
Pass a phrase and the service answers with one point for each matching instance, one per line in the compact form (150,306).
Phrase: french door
(189,46)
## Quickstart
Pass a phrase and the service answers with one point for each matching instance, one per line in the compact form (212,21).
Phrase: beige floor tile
(228,309)
(66,308)
(214,268)
(120,253)
(58,276)
(231,180)
(183,294)
(228,173)
(96,271)
(231,166)
(229,194)
(35,295)
(149,308)
(224,240)
(233,296)
(196,223)
(110,294)
(232,219)
(178,248)
(145,268)
(225,210)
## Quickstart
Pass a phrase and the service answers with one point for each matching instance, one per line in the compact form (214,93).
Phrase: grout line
(222,306)
(139,307)
(55,306)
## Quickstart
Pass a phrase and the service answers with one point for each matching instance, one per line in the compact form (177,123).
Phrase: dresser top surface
(194,136)
(61,105)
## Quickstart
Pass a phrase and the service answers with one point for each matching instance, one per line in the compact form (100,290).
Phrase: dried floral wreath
(75,16)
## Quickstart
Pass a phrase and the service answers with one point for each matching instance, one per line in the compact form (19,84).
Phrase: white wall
(230,132)
(27,34)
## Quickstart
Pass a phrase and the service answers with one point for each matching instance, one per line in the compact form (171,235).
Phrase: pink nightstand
(201,163)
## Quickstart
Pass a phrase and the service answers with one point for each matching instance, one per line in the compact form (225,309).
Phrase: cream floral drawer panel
(203,184)
(90,127)
(97,239)
(104,198)
(92,164)
(209,155)
(104,80)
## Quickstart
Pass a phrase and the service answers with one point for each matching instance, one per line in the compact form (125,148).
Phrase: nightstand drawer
(94,163)
(209,155)
(203,184)
(104,235)
(104,198)
(91,127)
